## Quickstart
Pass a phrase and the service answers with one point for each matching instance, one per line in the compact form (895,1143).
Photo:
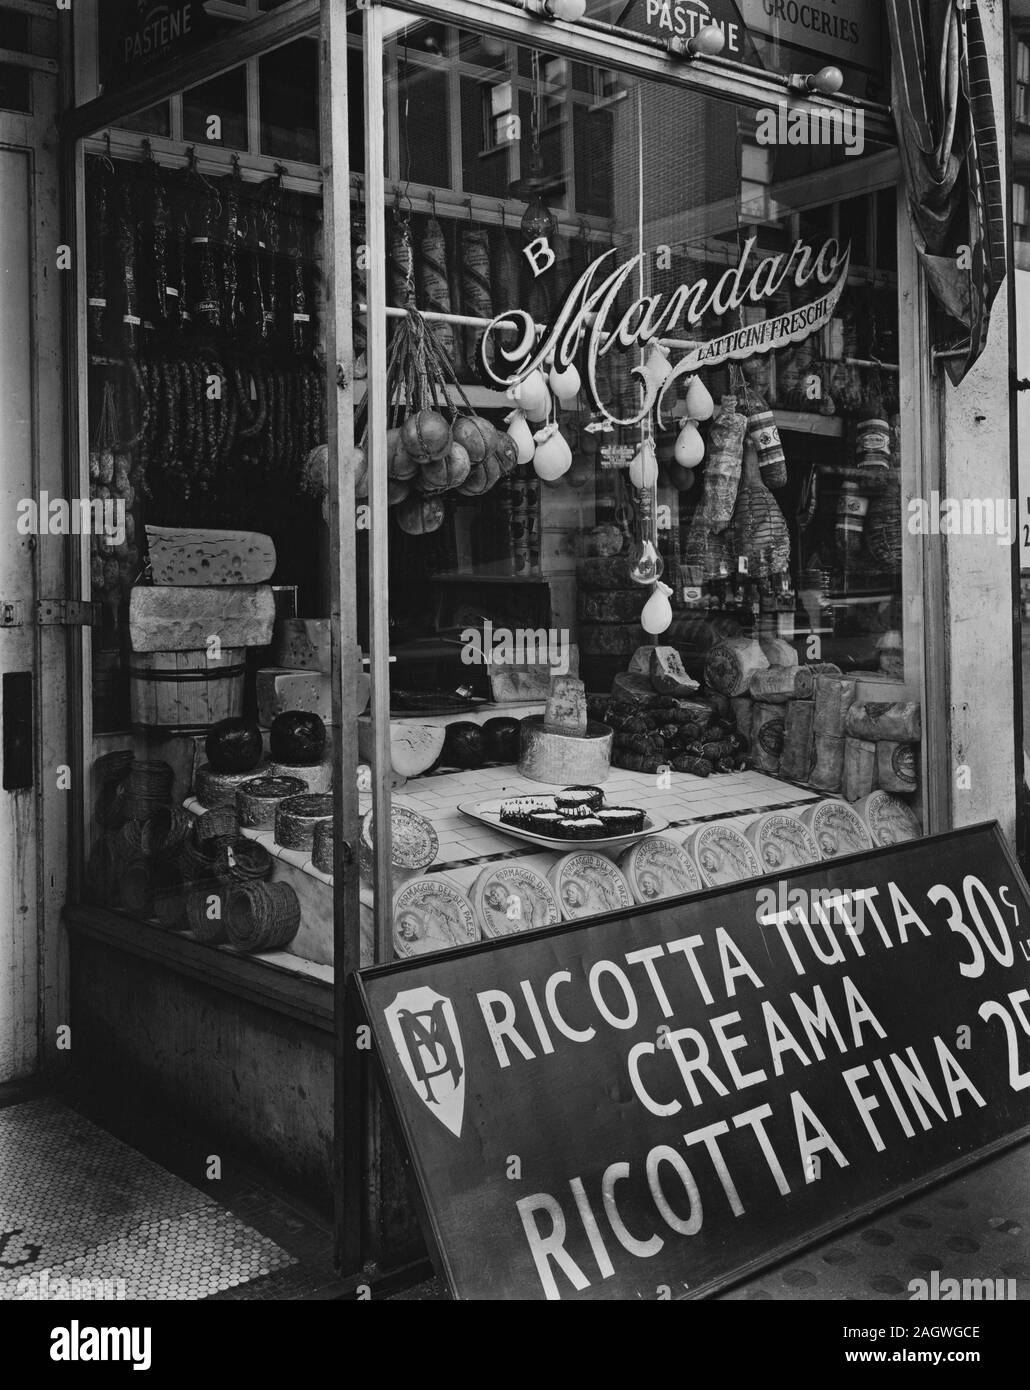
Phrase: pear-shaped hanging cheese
(700,405)
(643,469)
(553,457)
(690,447)
(657,615)
(565,383)
(519,431)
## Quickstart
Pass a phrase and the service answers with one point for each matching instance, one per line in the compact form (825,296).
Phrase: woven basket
(164,834)
(220,821)
(199,905)
(262,916)
(243,861)
(195,865)
(133,888)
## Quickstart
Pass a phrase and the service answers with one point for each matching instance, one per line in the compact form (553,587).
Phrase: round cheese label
(659,868)
(722,855)
(511,898)
(782,842)
(837,829)
(431,914)
(890,821)
(415,842)
(587,885)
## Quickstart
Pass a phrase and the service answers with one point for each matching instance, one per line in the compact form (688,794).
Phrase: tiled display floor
(83,1215)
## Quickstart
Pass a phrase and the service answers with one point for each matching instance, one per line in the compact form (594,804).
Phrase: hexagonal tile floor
(82,1215)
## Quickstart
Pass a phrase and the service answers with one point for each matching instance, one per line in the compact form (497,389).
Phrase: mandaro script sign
(592,313)
(652,1105)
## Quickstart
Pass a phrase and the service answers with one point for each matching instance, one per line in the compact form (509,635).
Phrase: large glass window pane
(766,493)
(211,708)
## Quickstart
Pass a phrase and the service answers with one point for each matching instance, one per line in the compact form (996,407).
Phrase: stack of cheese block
(189,629)
(851,734)
(301,682)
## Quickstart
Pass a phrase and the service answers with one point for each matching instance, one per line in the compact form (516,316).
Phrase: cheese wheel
(722,855)
(257,799)
(782,842)
(659,868)
(323,845)
(414,747)
(837,829)
(888,820)
(219,788)
(431,914)
(510,898)
(318,778)
(297,816)
(414,842)
(587,885)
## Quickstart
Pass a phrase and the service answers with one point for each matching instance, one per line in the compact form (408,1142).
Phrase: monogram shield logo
(424,1030)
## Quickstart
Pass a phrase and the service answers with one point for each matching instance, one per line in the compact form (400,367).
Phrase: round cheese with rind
(509,897)
(431,914)
(782,842)
(219,788)
(837,829)
(258,798)
(888,820)
(414,842)
(722,854)
(659,868)
(587,885)
(317,778)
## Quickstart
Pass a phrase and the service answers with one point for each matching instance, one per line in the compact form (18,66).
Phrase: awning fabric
(948,140)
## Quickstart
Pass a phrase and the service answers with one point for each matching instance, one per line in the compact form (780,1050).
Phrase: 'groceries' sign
(652,1104)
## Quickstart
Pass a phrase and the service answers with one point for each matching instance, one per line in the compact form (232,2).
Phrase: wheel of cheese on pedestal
(782,842)
(431,914)
(659,868)
(511,898)
(258,798)
(837,829)
(297,818)
(213,788)
(587,885)
(888,820)
(722,855)
(414,842)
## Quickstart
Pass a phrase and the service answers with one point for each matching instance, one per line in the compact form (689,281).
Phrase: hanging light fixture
(827,82)
(571,11)
(708,42)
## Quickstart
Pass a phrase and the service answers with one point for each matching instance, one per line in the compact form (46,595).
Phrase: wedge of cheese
(303,644)
(279,691)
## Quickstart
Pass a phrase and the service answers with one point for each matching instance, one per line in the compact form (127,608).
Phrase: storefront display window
(609,610)
(643,545)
